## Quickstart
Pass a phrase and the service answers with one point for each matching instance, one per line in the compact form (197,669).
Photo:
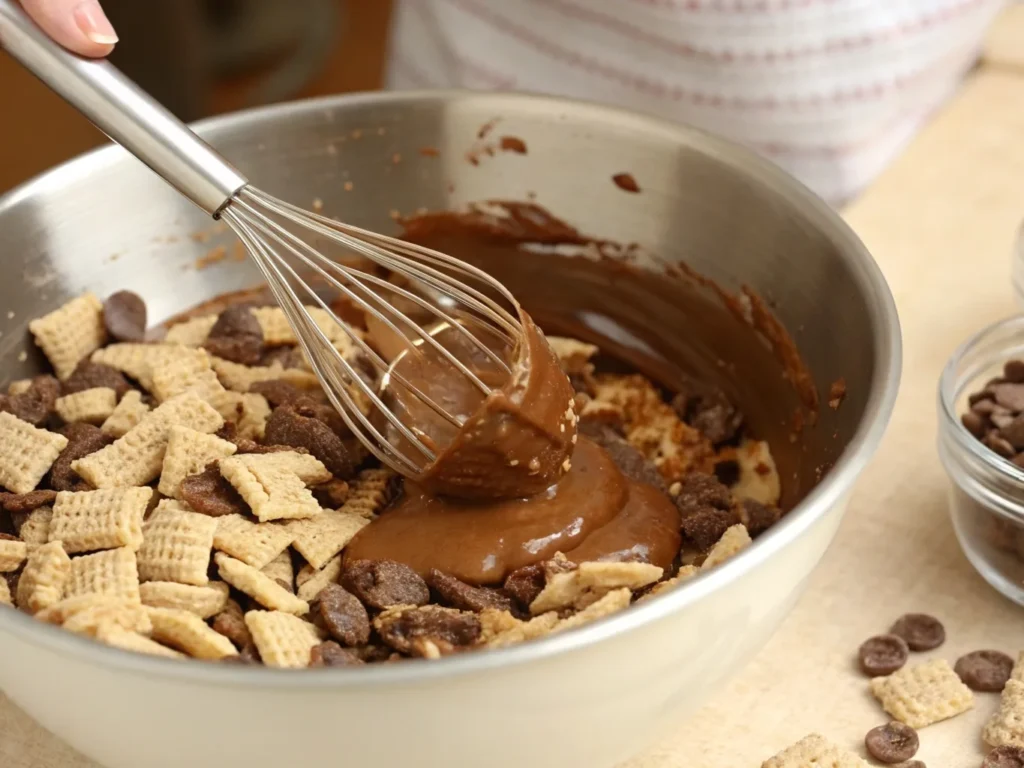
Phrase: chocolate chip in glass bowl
(893,742)
(882,655)
(1004,757)
(921,631)
(340,613)
(999,445)
(975,423)
(1013,371)
(985,671)
(1008,394)
(384,583)
(124,315)
(330,654)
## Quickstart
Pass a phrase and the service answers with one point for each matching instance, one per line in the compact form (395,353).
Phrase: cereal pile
(192,496)
(921,695)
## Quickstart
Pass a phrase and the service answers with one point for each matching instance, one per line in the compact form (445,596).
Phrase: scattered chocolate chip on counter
(882,655)
(626,182)
(893,742)
(921,631)
(985,671)
(1004,757)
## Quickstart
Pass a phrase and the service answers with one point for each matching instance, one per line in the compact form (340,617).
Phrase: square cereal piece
(5,593)
(19,387)
(238,377)
(118,637)
(129,412)
(35,531)
(70,333)
(191,333)
(591,581)
(204,602)
(45,576)
(685,573)
(139,360)
(370,492)
(190,374)
(105,519)
(26,453)
(256,544)
(189,633)
(113,572)
(282,639)
(733,541)
(274,484)
(1006,727)
(320,538)
(312,581)
(13,553)
(609,603)
(814,751)
(259,586)
(136,458)
(499,629)
(923,694)
(84,614)
(573,355)
(93,406)
(188,453)
(280,569)
(248,411)
(176,546)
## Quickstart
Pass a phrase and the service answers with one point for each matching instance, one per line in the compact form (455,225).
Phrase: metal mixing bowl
(586,698)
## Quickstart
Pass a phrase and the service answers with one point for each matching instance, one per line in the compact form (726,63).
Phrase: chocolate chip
(210,494)
(709,412)
(882,655)
(287,426)
(459,594)
(706,526)
(35,404)
(83,439)
(628,459)
(287,357)
(913,764)
(984,670)
(231,623)
(383,583)
(280,392)
(893,742)
(236,336)
(332,494)
(124,314)
(21,503)
(758,517)
(228,431)
(1004,757)
(330,654)
(429,630)
(699,491)
(341,614)
(1001,417)
(1013,371)
(1013,432)
(975,423)
(525,583)
(997,444)
(89,375)
(921,631)
(728,472)
(1009,395)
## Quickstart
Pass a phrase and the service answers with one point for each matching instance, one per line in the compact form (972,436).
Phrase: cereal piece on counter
(105,519)
(733,541)
(13,553)
(139,360)
(191,374)
(188,633)
(499,629)
(311,580)
(282,639)
(5,593)
(136,458)
(26,453)
(259,586)
(176,546)
(256,544)
(204,602)
(589,582)
(112,572)
(611,602)
(70,333)
(188,453)
(281,570)
(1006,727)
(128,413)
(191,333)
(93,406)
(923,694)
(248,411)
(42,582)
(573,354)
(320,538)
(814,750)
(19,387)
(274,484)
(35,531)
(119,637)
(759,477)
(685,573)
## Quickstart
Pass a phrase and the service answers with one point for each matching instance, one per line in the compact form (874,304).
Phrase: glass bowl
(986,498)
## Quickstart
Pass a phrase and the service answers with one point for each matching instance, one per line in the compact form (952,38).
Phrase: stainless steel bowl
(586,698)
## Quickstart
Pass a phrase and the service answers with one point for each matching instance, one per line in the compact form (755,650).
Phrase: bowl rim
(829,492)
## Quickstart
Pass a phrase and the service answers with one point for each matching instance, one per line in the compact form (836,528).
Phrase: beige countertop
(941,223)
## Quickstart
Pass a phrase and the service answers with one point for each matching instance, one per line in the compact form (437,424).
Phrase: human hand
(80,26)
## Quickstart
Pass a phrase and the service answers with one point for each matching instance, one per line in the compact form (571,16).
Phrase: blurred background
(202,58)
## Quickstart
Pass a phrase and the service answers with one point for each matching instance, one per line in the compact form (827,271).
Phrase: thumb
(79,25)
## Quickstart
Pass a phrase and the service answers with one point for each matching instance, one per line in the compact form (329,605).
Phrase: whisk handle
(124,112)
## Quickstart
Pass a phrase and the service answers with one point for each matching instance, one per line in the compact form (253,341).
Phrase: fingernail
(93,22)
